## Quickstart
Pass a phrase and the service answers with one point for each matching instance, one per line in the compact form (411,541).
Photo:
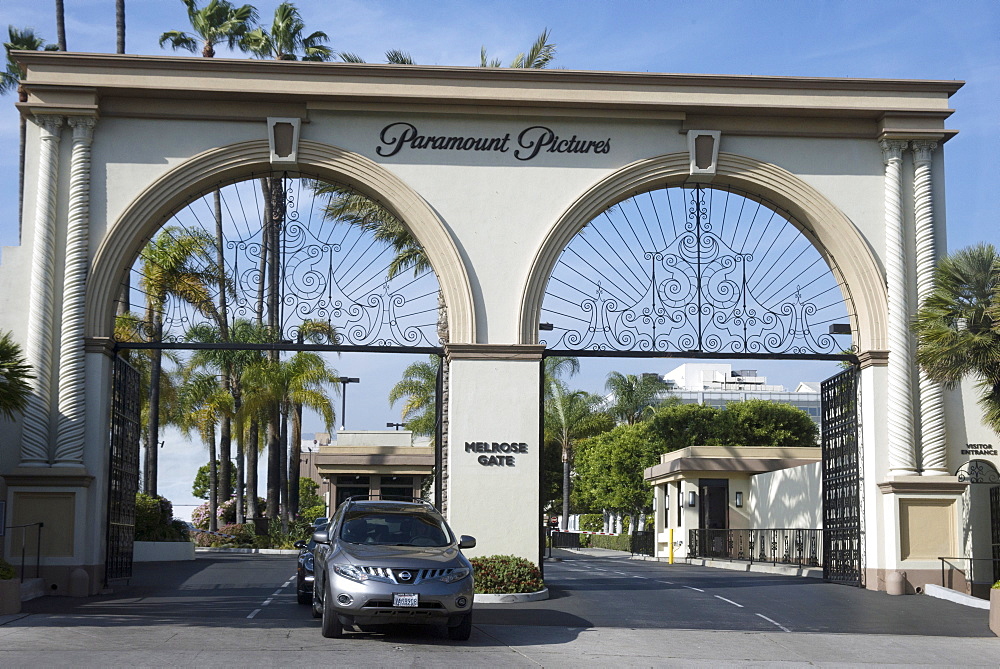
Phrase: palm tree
(304,379)
(217,22)
(174,264)
(61,25)
(418,388)
(286,38)
(958,325)
(120,26)
(10,80)
(569,417)
(632,397)
(538,57)
(15,373)
(203,403)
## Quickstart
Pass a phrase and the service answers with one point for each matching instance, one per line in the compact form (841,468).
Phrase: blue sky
(888,39)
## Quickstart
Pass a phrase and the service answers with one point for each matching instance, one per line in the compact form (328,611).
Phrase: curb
(955,596)
(511,598)
(258,551)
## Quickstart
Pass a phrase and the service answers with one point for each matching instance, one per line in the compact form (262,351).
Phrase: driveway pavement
(241,611)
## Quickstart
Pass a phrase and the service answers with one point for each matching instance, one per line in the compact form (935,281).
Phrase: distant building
(715,384)
(367,462)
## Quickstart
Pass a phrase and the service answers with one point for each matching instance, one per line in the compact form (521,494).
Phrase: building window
(397,486)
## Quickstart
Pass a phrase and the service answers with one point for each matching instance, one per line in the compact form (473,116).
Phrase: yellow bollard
(671,561)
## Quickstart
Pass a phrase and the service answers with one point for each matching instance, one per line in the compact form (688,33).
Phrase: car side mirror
(321,537)
(466,542)
(300,544)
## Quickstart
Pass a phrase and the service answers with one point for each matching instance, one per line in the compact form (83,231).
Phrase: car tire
(463,630)
(332,629)
(302,595)
(317,610)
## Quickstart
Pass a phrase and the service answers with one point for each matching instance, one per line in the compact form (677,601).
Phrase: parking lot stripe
(783,628)
(267,601)
(690,587)
(276,592)
(729,600)
(255,612)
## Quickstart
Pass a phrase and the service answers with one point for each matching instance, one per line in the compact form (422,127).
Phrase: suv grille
(403,576)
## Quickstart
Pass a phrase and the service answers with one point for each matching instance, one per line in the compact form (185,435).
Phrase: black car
(304,571)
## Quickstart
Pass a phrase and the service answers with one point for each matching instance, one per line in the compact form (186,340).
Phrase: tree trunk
(120,25)
(240,476)
(20,180)
(253,451)
(213,484)
(563,524)
(294,456)
(283,468)
(225,431)
(276,196)
(153,446)
(60,25)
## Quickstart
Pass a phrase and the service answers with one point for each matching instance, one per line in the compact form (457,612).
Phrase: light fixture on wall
(739,499)
(692,499)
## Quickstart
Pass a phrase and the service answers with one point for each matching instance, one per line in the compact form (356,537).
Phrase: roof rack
(387,498)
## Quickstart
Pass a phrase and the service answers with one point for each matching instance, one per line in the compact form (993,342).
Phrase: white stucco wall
(787,498)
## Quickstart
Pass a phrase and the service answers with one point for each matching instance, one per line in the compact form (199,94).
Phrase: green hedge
(591,522)
(505,574)
(616,542)
(154,520)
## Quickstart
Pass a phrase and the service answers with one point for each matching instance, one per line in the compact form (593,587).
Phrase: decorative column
(70,434)
(934,452)
(902,456)
(38,350)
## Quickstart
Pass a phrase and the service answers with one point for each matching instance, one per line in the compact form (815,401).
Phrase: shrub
(226,513)
(505,574)
(592,522)
(312,513)
(7,571)
(996,586)
(154,520)
(615,542)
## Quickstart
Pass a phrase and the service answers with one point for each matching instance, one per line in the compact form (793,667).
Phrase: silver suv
(381,561)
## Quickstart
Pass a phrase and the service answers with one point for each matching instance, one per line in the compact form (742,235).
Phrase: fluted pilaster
(38,349)
(933,441)
(902,455)
(70,434)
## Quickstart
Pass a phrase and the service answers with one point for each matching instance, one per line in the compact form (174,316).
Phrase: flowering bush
(226,514)
(504,574)
(154,520)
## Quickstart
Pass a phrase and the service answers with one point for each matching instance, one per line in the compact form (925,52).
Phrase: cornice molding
(494,351)
(925,485)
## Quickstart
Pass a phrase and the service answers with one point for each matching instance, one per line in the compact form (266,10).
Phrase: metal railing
(969,575)
(38,545)
(559,539)
(776,546)
(643,543)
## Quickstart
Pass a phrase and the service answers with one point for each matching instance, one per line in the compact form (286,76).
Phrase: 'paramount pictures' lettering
(495,447)
(530,142)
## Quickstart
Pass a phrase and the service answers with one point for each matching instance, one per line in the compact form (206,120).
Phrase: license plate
(404,600)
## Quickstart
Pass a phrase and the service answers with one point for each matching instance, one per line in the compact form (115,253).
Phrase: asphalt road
(229,610)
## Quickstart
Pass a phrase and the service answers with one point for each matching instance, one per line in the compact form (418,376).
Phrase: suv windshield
(385,528)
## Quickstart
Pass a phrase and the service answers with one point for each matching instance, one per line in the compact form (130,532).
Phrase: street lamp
(396,425)
(343,397)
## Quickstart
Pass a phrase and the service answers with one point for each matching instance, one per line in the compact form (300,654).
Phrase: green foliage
(996,586)
(418,390)
(200,487)
(154,520)
(765,423)
(505,574)
(610,468)
(15,373)
(634,397)
(615,542)
(7,571)
(307,494)
(684,425)
(311,513)
(592,522)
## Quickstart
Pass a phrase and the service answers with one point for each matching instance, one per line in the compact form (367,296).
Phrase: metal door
(123,475)
(841,479)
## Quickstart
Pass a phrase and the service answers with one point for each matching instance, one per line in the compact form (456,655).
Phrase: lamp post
(396,425)
(343,397)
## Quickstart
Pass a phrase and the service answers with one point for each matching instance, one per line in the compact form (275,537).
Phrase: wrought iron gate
(841,479)
(123,475)
(995,522)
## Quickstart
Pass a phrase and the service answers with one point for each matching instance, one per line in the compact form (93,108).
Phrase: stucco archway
(832,233)
(153,207)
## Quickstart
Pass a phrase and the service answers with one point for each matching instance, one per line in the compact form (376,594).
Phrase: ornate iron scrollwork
(978,471)
(738,277)
(329,271)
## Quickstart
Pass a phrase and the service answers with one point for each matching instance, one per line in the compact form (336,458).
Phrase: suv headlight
(351,572)
(307,563)
(456,575)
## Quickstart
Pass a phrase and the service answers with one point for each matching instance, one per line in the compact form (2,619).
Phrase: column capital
(83,127)
(50,125)
(922,150)
(892,149)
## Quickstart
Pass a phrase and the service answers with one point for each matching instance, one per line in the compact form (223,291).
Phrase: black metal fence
(777,546)
(21,541)
(564,539)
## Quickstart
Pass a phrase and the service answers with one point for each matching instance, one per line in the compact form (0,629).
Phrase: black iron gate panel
(123,475)
(995,523)
(842,548)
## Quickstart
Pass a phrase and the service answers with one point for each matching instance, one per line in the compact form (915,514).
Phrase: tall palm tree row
(958,325)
